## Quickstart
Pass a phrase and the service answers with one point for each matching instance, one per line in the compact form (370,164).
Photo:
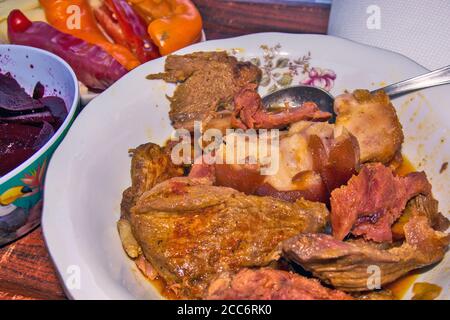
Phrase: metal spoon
(297,95)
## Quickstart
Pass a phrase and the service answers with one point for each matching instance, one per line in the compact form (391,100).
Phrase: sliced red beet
(30,118)
(13,97)
(26,123)
(16,144)
(57,107)
(45,134)
(38,91)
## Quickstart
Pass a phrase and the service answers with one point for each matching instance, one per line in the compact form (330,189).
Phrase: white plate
(91,168)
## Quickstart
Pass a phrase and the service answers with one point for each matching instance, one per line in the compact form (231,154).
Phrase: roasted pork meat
(190,231)
(372,201)
(310,163)
(372,119)
(207,84)
(270,284)
(249,112)
(150,164)
(346,265)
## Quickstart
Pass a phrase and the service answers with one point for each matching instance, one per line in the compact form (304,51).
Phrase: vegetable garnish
(59,16)
(174,24)
(126,27)
(92,65)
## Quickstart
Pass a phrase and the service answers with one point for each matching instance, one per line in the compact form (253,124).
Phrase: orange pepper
(174,24)
(58,15)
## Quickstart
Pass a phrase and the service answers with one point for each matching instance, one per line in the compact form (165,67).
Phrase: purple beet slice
(16,144)
(57,107)
(26,123)
(30,118)
(13,97)
(38,91)
(45,134)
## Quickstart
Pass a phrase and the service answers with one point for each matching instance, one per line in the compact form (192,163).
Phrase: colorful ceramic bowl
(21,190)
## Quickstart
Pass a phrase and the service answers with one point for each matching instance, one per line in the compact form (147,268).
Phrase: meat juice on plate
(402,285)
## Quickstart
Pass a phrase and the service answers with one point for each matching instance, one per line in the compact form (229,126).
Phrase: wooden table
(26,271)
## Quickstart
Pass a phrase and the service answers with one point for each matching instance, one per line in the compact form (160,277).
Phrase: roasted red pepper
(126,27)
(59,13)
(92,65)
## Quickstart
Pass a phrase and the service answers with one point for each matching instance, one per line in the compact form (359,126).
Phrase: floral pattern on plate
(280,71)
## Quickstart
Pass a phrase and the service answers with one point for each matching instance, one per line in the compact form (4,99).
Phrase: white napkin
(418,29)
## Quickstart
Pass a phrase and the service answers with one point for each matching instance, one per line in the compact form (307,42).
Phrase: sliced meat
(150,164)
(249,112)
(191,231)
(421,205)
(372,201)
(310,163)
(372,119)
(269,284)
(345,265)
(208,82)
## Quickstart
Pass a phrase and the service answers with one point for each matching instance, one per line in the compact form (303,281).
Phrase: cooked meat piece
(428,207)
(208,83)
(372,119)
(150,164)
(190,231)
(372,201)
(425,206)
(269,284)
(249,112)
(146,268)
(311,162)
(345,264)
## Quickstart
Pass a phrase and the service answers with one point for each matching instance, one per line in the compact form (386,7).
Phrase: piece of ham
(350,265)
(372,201)
(249,112)
(269,284)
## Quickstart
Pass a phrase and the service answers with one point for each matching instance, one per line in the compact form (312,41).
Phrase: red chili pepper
(124,25)
(18,21)
(95,67)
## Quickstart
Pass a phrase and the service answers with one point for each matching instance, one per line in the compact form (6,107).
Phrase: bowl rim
(70,115)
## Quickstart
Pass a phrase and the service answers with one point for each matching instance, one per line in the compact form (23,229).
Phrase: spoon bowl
(297,95)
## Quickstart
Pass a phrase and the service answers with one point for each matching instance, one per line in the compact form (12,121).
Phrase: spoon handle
(430,79)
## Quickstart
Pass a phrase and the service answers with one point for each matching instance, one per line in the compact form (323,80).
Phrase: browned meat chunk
(372,119)
(249,112)
(421,205)
(190,231)
(208,83)
(311,163)
(372,201)
(345,264)
(269,284)
(150,164)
